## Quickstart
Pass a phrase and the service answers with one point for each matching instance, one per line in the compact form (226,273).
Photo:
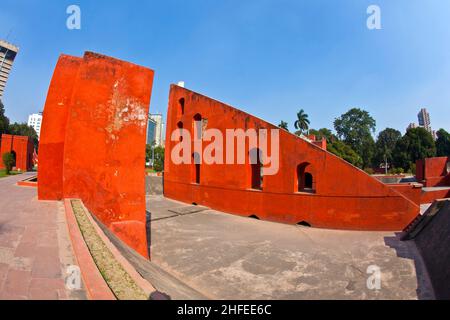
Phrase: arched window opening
(308,180)
(181,108)
(305,179)
(197,126)
(304,224)
(256,169)
(180,127)
(196,168)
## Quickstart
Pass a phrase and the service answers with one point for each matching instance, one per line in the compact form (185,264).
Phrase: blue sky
(269,58)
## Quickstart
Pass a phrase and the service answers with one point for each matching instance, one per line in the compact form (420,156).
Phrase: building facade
(8,53)
(424,119)
(35,121)
(155,130)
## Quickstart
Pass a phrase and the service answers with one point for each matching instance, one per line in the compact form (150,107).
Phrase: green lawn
(12,173)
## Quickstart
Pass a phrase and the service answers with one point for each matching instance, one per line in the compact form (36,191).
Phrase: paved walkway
(231,257)
(35,248)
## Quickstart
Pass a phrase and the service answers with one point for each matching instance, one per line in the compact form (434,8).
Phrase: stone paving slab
(225,256)
(35,249)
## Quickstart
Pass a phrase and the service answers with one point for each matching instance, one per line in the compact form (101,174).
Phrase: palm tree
(283,125)
(302,122)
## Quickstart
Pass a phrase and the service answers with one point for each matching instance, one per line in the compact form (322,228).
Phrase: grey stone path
(35,248)
(230,257)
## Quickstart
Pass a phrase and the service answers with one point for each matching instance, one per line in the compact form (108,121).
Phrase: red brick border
(27,183)
(96,286)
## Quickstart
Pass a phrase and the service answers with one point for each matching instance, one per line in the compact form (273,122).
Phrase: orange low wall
(432,172)
(430,196)
(96,141)
(411,191)
(23,148)
(344,197)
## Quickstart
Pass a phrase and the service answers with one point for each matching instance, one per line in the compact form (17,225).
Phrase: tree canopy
(302,122)
(4,121)
(283,125)
(355,128)
(385,145)
(417,143)
(443,143)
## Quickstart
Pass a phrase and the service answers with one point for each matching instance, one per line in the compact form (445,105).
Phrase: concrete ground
(35,248)
(224,256)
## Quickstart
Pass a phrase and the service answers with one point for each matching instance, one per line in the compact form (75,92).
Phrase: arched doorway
(305,179)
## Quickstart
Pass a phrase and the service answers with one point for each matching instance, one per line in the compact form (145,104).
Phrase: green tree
(4,121)
(355,128)
(23,129)
(417,143)
(148,152)
(384,147)
(302,122)
(345,152)
(283,125)
(443,143)
(324,133)
(158,153)
(9,161)
(159,159)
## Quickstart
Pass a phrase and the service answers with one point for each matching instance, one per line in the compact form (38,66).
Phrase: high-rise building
(155,129)
(424,119)
(425,122)
(35,121)
(8,53)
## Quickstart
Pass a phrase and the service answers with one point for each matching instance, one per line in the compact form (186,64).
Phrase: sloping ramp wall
(344,198)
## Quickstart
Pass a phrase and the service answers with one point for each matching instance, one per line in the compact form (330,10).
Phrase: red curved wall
(345,197)
(53,130)
(96,141)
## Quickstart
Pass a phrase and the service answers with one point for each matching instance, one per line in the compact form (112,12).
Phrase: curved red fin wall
(104,157)
(345,197)
(97,141)
(53,129)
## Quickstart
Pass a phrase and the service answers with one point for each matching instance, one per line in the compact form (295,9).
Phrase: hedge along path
(120,282)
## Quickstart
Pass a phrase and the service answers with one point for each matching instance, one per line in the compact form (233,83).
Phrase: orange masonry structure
(93,141)
(312,186)
(22,147)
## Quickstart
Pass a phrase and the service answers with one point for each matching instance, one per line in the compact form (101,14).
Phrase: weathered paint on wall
(344,198)
(102,138)
(23,148)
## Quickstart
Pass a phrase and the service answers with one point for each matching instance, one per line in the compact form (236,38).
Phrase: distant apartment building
(424,121)
(8,53)
(155,129)
(35,121)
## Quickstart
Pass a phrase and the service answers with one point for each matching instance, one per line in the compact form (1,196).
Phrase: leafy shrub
(9,161)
